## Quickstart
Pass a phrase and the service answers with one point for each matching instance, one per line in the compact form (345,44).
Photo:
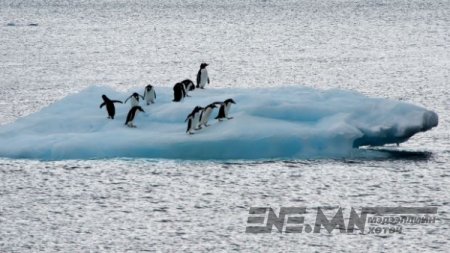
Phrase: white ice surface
(287,122)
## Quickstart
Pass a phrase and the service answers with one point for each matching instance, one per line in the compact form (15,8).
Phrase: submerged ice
(288,122)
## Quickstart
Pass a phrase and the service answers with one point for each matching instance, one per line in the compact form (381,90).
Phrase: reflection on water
(405,154)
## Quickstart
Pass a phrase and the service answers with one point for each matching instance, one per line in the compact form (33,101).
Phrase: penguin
(179,92)
(202,76)
(206,112)
(149,94)
(193,120)
(132,115)
(109,106)
(224,109)
(134,99)
(188,85)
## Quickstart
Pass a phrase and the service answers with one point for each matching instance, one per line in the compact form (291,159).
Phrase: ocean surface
(389,49)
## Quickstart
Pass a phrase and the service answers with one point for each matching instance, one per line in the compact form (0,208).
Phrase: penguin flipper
(221,113)
(198,78)
(117,101)
(102,104)
(188,126)
(208,80)
(127,99)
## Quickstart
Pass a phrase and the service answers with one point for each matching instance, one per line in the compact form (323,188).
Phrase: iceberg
(268,123)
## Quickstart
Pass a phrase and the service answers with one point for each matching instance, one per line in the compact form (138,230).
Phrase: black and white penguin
(202,76)
(179,92)
(206,112)
(132,115)
(110,108)
(149,94)
(224,109)
(193,120)
(134,98)
(188,85)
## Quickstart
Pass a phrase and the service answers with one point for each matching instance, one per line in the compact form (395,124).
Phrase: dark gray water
(391,49)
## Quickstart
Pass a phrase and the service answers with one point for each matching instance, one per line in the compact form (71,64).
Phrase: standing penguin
(179,92)
(202,76)
(134,99)
(132,115)
(224,109)
(193,120)
(206,112)
(149,94)
(109,106)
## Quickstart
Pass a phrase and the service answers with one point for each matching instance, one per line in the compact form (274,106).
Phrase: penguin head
(198,108)
(135,95)
(105,98)
(148,87)
(213,105)
(203,65)
(230,100)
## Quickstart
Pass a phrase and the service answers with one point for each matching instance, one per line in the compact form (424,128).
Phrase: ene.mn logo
(381,220)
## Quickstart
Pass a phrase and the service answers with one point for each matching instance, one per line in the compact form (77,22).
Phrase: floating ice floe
(269,123)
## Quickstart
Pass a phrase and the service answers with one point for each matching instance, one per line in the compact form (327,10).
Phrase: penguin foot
(230,118)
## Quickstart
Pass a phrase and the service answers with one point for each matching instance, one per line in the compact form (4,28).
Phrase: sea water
(388,49)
